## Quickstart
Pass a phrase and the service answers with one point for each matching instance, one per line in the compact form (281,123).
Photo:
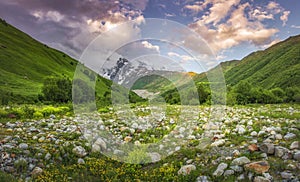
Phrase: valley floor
(172,143)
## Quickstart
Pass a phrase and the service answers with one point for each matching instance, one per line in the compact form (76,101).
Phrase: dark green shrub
(57,90)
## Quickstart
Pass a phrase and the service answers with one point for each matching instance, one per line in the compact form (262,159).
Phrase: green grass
(4,177)
(25,63)
(275,67)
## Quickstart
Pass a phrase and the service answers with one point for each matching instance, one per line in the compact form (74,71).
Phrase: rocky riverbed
(259,143)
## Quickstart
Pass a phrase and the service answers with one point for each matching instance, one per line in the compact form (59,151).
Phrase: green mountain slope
(277,66)
(25,63)
(167,80)
(224,66)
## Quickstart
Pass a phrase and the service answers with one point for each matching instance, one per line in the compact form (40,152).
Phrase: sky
(232,29)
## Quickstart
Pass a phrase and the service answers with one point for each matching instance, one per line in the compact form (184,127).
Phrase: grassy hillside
(277,66)
(25,63)
(167,81)
(224,66)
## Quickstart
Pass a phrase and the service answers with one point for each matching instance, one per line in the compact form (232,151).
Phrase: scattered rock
(218,143)
(127,139)
(48,156)
(241,177)
(101,143)
(280,151)
(9,169)
(23,146)
(260,179)
(295,145)
(236,153)
(240,129)
(268,176)
(236,168)
(261,133)
(258,167)
(253,133)
(79,151)
(297,156)
(202,179)
(42,139)
(220,169)
(52,116)
(80,161)
(290,136)
(286,175)
(36,171)
(240,161)
(154,156)
(267,148)
(189,161)
(253,147)
(278,137)
(185,170)
(229,172)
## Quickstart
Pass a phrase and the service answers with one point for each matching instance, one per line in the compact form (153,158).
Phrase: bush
(3,113)
(38,115)
(57,90)
(5,97)
(28,111)
(292,94)
(242,91)
(47,111)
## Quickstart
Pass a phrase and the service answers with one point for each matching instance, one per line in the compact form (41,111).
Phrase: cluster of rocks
(28,147)
(274,142)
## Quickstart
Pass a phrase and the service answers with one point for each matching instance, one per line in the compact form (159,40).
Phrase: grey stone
(202,179)
(250,176)
(295,145)
(290,136)
(48,156)
(98,145)
(237,168)
(287,155)
(52,116)
(8,146)
(154,156)
(218,143)
(260,133)
(220,169)
(286,175)
(280,151)
(240,161)
(37,171)
(9,169)
(261,179)
(189,161)
(80,161)
(241,177)
(79,151)
(268,176)
(31,166)
(185,170)
(240,129)
(228,172)
(253,133)
(267,148)
(278,137)
(297,156)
